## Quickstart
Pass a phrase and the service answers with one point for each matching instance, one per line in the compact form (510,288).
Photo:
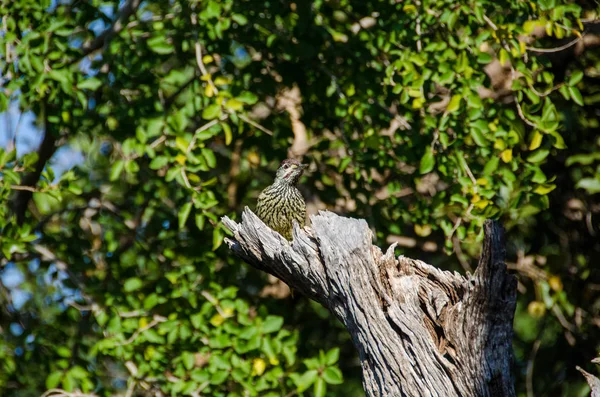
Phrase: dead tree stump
(419,331)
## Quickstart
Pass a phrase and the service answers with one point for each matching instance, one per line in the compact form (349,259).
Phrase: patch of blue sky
(65,159)
(12,122)
(97,26)
(16,329)
(19,298)
(21,129)
(12,276)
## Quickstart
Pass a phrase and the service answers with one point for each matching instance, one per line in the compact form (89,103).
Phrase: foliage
(424,117)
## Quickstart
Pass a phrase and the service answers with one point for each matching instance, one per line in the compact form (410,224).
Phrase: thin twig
(495,28)
(102,40)
(530,362)
(185,178)
(201,129)
(489,22)
(459,255)
(134,313)
(154,144)
(154,18)
(215,302)
(131,387)
(158,142)
(26,188)
(418,29)
(202,386)
(471,176)
(91,308)
(157,319)
(255,124)
(545,93)
(459,220)
(202,68)
(561,318)
(63,393)
(521,114)
(557,49)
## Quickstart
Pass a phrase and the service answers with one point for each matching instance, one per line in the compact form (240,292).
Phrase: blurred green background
(129,128)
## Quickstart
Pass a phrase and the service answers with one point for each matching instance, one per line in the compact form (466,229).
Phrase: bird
(282,203)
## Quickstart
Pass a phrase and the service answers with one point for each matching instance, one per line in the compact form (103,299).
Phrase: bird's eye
(286,166)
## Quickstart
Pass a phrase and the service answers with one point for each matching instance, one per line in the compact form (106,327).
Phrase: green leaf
(583,159)
(576,95)
(219,377)
(272,324)
(559,142)
(209,156)
(544,189)
(592,185)
(68,382)
(183,214)
(268,349)
(536,140)
(333,376)
(197,320)
(200,220)
(211,112)
(484,58)
(538,156)
(53,379)
(213,10)
(289,352)
(247,97)
(132,284)
(576,77)
(116,170)
(160,45)
(78,372)
(188,360)
(234,104)
(63,351)
(320,388)
(332,356)
(239,19)
(305,380)
(478,137)
(159,162)
(529,26)
(312,363)
(91,83)
(227,132)
(454,104)
(427,162)
(491,166)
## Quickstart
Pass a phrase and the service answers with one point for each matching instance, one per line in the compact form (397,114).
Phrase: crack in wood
(419,330)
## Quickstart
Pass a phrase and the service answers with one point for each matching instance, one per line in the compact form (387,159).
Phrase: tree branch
(104,38)
(22,196)
(418,330)
(592,381)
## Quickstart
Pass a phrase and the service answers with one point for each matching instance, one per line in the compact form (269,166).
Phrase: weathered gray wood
(593,381)
(419,331)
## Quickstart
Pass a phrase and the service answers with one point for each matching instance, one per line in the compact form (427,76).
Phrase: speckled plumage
(282,203)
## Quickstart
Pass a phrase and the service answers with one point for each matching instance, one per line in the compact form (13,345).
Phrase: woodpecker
(282,203)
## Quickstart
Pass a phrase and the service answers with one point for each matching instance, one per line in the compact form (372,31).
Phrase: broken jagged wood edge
(419,331)
(592,381)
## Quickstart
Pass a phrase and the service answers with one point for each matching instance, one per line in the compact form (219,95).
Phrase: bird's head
(290,171)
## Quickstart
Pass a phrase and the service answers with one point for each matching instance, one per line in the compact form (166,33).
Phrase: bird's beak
(304,166)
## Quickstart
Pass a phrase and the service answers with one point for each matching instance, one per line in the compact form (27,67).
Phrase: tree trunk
(419,331)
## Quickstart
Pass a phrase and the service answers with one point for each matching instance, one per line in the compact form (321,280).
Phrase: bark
(419,331)
(592,381)
(21,199)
